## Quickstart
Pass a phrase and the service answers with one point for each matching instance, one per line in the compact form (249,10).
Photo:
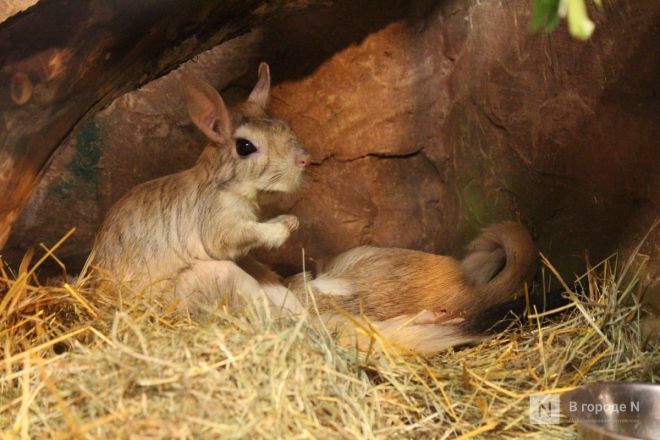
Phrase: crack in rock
(378,155)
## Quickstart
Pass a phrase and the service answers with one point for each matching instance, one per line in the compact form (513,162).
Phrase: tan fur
(389,285)
(388,282)
(180,235)
(181,232)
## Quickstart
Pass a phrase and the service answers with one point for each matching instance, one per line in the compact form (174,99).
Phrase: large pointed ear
(261,92)
(206,108)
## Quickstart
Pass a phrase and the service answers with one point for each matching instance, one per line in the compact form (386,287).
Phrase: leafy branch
(546,15)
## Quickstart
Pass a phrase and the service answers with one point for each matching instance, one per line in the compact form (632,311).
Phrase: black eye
(244,147)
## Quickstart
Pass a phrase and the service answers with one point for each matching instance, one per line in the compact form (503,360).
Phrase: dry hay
(77,365)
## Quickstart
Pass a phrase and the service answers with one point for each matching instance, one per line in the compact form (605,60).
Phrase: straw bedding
(83,363)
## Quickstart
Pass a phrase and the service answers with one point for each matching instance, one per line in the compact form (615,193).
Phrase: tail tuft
(499,261)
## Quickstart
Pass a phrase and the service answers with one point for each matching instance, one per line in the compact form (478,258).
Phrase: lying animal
(420,301)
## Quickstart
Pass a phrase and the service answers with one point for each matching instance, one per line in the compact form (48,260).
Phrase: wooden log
(62,60)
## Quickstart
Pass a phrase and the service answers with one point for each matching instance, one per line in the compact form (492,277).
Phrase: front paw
(290,221)
(279,235)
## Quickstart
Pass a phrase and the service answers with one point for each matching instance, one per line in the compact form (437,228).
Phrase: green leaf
(552,23)
(544,13)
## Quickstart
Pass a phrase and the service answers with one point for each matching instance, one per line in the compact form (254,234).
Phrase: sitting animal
(420,301)
(177,236)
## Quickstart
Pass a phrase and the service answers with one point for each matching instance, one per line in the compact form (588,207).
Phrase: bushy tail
(499,262)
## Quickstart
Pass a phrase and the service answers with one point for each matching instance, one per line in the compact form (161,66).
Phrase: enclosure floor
(77,364)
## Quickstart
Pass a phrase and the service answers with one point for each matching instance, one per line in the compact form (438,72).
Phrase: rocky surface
(425,123)
(13,7)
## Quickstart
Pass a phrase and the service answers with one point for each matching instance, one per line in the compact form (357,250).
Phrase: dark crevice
(378,155)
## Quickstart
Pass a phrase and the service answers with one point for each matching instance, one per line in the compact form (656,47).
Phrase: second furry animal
(176,237)
(420,301)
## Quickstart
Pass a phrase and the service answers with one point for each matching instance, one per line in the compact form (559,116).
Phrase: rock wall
(426,121)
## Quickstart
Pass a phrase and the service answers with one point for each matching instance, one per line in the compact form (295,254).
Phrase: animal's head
(264,152)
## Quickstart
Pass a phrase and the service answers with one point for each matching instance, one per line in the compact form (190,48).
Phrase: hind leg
(207,284)
(278,295)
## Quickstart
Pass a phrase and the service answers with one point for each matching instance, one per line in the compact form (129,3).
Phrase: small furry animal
(420,301)
(180,234)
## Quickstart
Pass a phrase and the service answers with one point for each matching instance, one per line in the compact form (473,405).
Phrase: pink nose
(301,157)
